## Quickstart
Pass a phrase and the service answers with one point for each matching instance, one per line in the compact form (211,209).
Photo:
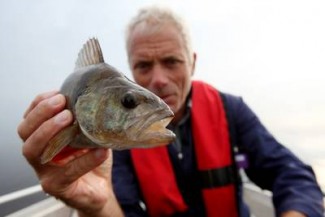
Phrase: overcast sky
(270,52)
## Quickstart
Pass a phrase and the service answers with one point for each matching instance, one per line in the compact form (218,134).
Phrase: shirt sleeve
(126,185)
(274,167)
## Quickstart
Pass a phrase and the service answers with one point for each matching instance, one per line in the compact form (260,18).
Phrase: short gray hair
(155,17)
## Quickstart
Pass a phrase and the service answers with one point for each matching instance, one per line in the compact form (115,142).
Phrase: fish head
(120,114)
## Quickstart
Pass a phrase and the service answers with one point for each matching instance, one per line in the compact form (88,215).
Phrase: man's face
(160,63)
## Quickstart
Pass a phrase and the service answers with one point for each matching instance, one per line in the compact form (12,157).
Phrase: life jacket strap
(217,177)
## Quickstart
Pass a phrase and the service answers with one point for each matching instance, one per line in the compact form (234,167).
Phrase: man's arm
(292,214)
(111,208)
(274,167)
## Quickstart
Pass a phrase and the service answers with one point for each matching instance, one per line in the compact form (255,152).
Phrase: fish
(109,109)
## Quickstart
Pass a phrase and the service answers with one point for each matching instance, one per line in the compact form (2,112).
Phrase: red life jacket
(213,154)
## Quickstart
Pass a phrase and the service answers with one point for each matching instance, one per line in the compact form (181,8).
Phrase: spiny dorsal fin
(90,54)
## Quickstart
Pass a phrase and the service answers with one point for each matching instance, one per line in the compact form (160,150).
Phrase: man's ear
(193,63)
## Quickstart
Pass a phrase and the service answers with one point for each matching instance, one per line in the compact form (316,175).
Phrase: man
(194,176)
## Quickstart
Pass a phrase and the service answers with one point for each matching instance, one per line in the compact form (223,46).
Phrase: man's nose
(159,76)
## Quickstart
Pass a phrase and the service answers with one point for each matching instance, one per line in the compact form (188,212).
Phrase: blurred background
(269,52)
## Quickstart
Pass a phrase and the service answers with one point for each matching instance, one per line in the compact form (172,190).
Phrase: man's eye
(171,62)
(142,65)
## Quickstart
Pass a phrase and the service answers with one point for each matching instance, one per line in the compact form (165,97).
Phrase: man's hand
(292,214)
(83,180)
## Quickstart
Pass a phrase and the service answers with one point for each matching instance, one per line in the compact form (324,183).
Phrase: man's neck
(183,110)
(179,115)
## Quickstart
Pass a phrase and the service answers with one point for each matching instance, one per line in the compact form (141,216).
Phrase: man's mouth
(166,98)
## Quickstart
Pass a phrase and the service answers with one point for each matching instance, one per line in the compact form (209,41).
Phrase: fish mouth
(153,131)
(160,126)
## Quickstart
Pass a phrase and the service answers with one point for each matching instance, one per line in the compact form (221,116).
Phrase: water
(16,174)
(319,168)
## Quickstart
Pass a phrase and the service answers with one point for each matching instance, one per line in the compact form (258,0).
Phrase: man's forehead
(152,33)
(164,42)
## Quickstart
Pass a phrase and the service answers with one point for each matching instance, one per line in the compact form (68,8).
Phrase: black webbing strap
(217,177)
(233,142)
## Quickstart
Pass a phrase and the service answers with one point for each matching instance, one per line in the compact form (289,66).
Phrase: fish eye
(129,101)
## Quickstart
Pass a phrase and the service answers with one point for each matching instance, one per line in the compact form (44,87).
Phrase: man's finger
(38,99)
(36,143)
(43,111)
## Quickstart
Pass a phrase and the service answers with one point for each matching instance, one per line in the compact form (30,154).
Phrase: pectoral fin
(58,142)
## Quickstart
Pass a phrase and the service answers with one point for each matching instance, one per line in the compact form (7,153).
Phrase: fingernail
(61,117)
(55,100)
